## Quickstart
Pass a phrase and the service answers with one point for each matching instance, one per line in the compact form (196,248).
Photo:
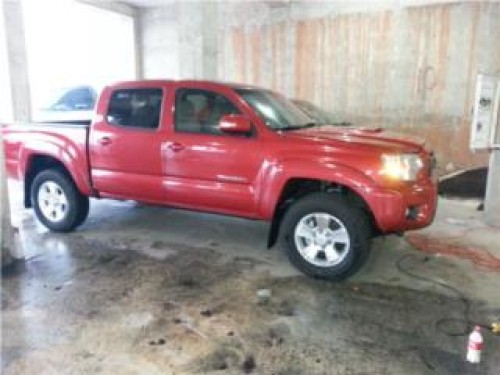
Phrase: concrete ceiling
(278,3)
(147,3)
(154,3)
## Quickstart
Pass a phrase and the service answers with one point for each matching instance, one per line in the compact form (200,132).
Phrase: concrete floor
(147,290)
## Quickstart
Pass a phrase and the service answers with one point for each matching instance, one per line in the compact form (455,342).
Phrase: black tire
(355,222)
(77,207)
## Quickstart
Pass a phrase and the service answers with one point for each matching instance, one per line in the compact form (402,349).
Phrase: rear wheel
(57,202)
(326,237)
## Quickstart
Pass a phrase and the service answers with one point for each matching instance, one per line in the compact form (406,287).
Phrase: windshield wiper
(342,123)
(297,127)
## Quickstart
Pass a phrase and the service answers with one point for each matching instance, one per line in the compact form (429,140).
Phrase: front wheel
(326,237)
(57,202)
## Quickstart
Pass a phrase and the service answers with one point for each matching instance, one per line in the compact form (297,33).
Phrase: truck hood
(374,137)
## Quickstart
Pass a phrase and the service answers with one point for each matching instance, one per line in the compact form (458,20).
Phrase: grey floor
(148,290)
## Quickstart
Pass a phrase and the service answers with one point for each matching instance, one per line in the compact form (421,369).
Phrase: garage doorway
(71,46)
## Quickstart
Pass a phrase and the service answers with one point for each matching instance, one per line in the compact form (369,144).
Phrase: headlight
(404,167)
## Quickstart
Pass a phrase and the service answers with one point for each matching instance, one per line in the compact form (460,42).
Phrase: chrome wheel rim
(52,201)
(322,239)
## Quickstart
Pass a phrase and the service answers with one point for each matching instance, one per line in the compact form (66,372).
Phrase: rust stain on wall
(472,68)
(443,34)
(255,45)
(276,66)
(239,55)
(306,43)
(383,31)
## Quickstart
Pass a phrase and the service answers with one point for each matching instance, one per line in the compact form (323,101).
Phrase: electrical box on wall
(485,129)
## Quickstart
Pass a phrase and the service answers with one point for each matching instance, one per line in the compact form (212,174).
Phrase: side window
(138,108)
(199,111)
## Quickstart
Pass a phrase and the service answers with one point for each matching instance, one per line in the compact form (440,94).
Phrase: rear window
(137,108)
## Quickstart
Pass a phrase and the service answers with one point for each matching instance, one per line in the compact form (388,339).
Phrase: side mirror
(236,124)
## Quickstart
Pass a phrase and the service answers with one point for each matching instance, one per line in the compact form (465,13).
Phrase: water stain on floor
(110,307)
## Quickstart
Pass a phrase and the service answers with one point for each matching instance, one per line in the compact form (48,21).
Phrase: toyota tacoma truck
(230,149)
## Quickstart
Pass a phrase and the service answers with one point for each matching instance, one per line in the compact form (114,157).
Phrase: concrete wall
(408,65)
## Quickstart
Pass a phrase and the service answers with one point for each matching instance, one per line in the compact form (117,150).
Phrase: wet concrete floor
(147,290)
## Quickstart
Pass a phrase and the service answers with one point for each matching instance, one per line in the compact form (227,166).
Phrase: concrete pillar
(17,59)
(7,231)
(160,42)
(190,34)
(197,28)
(5,92)
(180,40)
(138,48)
(15,73)
(492,201)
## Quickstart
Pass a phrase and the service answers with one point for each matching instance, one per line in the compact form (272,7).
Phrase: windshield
(320,116)
(277,112)
(314,112)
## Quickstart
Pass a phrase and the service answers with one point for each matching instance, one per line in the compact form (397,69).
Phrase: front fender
(279,174)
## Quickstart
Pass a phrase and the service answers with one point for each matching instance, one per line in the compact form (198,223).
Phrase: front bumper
(411,206)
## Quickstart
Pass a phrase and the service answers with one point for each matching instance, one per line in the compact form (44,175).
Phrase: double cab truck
(230,149)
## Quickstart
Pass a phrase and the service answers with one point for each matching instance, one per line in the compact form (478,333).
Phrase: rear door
(205,168)
(125,145)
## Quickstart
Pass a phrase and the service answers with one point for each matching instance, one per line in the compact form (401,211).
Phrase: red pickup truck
(231,149)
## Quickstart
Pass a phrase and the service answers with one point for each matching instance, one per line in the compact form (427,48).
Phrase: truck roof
(233,85)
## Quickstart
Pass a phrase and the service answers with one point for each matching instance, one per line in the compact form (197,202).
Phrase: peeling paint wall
(410,68)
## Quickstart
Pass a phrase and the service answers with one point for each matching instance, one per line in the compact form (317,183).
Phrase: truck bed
(46,139)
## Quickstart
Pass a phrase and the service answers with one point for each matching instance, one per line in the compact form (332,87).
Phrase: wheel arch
(295,188)
(37,163)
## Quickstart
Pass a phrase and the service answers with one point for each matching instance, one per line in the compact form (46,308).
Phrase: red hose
(481,257)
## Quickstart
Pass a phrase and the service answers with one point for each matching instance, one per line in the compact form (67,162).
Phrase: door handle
(175,146)
(105,141)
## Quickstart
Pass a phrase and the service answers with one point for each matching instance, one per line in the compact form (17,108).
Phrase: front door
(204,167)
